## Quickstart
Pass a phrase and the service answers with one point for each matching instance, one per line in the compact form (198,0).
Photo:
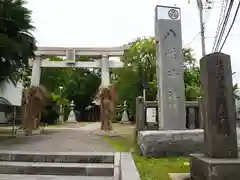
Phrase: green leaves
(60,100)
(79,85)
(139,72)
(17,44)
(191,76)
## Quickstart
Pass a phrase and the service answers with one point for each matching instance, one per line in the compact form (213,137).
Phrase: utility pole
(202,28)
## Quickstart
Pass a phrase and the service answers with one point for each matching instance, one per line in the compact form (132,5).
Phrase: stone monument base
(206,168)
(170,142)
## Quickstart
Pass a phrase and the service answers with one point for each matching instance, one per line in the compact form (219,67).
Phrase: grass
(149,168)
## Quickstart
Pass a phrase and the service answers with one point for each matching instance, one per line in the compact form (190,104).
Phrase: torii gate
(71,54)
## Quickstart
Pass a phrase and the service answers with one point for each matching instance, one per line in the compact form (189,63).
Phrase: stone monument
(172,138)
(171,95)
(220,159)
(71,116)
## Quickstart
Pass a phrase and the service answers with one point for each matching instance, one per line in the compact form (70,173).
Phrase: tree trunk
(32,109)
(106,124)
(107,97)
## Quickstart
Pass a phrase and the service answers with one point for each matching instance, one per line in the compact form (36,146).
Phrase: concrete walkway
(61,140)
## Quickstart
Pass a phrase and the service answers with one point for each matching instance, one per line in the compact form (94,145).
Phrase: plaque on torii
(104,63)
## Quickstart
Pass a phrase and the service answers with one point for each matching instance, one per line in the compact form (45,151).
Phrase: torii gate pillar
(105,76)
(36,71)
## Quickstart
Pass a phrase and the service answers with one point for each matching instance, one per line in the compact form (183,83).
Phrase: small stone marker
(201,110)
(220,159)
(191,118)
(151,115)
(140,115)
(171,95)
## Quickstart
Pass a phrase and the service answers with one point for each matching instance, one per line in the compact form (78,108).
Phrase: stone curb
(128,170)
(117,166)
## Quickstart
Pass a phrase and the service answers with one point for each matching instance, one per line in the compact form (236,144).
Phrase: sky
(106,23)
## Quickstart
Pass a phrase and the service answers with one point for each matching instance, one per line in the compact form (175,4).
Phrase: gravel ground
(62,140)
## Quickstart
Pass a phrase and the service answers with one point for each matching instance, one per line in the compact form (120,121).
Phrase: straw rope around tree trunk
(107,98)
(33,102)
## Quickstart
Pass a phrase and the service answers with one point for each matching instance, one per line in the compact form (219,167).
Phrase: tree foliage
(17,44)
(191,76)
(139,72)
(79,85)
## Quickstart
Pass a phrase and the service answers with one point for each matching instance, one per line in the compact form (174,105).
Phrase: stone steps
(50,177)
(16,165)
(69,157)
(46,168)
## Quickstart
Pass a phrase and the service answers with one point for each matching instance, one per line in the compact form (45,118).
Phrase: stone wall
(193,114)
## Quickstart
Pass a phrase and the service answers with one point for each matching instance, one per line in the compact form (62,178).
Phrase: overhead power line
(220,20)
(234,19)
(193,39)
(224,26)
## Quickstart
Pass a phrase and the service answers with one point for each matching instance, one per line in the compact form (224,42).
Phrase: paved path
(60,140)
(88,128)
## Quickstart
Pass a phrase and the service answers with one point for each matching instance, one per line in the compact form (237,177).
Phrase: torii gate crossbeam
(71,54)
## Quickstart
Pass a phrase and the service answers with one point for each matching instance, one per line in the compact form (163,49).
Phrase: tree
(82,87)
(191,76)
(139,72)
(17,44)
(79,85)
(53,78)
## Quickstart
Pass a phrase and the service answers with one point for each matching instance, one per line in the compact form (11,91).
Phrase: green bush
(50,114)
